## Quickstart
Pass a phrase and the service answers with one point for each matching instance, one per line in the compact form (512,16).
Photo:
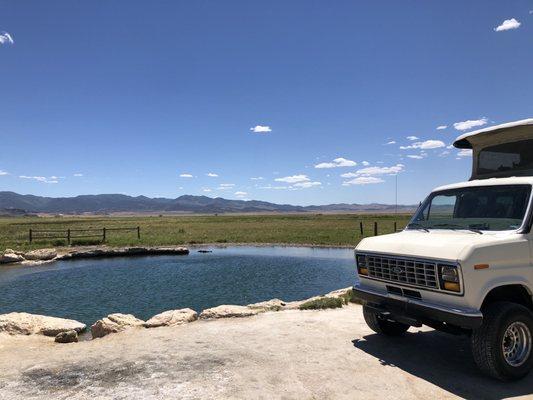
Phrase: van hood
(440,244)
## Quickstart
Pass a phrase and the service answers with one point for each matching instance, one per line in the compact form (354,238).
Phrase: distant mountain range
(16,204)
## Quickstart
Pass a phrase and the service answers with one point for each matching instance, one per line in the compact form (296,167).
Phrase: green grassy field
(311,229)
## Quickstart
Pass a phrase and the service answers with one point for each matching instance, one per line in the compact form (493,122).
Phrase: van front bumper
(409,309)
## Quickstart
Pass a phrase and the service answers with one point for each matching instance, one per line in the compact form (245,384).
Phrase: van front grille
(403,270)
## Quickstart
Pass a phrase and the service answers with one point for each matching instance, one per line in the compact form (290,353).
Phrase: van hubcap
(516,344)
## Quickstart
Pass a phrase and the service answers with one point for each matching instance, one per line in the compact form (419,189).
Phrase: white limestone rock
(228,311)
(114,323)
(172,318)
(41,255)
(29,324)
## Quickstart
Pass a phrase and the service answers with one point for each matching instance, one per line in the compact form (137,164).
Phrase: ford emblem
(397,270)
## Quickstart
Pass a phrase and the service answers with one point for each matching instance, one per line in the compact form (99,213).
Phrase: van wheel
(383,326)
(502,345)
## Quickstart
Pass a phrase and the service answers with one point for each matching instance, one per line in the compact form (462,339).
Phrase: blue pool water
(87,290)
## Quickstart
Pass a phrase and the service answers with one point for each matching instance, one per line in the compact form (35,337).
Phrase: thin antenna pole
(396,197)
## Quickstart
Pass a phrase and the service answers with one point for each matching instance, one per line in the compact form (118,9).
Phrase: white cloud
(395,169)
(508,24)
(43,179)
(349,175)
(77,174)
(363,180)
(416,157)
(411,138)
(270,187)
(6,38)
(206,190)
(365,163)
(428,144)
(337,163)
(444,153)
(293,179)
(37,178)
(343,162)
(257,178)
(186,176)
(261,129)
(225,186)
(296,182)
(469,124)
(212,175)
(391,142)
(465,153)
(305,185)
(3,173)
(325,165)
(241,194)
(441,127)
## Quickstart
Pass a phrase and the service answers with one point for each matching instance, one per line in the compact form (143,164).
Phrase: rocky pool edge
(48,255)
(67,330)
(10,257)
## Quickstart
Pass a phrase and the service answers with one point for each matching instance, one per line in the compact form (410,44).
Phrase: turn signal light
(363,271)
(481,266)
(452,286)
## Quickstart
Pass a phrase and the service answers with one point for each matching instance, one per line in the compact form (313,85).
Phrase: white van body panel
(508,254)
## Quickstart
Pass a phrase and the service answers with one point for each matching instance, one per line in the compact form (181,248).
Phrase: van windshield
(485,208)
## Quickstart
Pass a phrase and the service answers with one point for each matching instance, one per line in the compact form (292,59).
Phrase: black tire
(488,341)
(383,326)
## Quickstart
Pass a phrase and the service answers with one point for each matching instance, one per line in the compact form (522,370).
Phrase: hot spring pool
(87,290)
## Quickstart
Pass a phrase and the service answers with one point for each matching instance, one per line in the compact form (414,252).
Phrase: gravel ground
(285,355)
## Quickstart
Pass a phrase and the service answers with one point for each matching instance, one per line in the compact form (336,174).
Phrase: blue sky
(149,98)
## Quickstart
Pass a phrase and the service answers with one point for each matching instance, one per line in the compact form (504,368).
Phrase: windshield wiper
(418,226)
(459,227)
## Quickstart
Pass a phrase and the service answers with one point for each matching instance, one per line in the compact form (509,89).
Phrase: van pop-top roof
(500,151)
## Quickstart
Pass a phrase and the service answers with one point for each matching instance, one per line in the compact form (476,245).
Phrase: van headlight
(449,277)
(362,268)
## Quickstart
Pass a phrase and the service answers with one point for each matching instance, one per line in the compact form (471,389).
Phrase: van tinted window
(506,159)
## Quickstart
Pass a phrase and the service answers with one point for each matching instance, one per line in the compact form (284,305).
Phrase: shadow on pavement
(443,360)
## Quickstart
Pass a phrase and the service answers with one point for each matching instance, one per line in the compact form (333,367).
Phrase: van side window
(507,157)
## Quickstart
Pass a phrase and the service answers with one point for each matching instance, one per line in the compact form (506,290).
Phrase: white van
(464,262)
